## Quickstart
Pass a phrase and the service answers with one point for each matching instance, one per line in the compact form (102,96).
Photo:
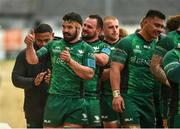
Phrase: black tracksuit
(23,76)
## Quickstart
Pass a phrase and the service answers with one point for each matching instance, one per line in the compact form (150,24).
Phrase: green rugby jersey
(91,85)
(106,85)
(135,53)
(172,40)
(171,64)
(64,80)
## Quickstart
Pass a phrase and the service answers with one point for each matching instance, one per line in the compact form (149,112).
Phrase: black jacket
(23,76)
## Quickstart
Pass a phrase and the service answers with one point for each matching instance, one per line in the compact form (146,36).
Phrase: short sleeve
(89,58)
(120,53)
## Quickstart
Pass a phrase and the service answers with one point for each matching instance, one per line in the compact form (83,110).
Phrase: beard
(87,36)
(69,37)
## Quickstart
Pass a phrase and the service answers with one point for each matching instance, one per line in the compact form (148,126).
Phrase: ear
(144,22)
(52,34)
(99,30)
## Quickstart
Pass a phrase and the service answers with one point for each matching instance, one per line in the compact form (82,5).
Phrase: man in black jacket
(34,78)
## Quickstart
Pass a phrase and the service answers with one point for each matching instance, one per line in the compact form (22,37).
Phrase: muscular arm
(157,70)
(115,75)
(101,59)
(115,79)
(31,56)
(105,74)
(83,72)
(30,51)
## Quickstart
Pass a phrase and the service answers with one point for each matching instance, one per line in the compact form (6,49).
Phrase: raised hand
(29,39)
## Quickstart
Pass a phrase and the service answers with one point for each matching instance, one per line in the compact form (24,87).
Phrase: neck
(75,40)
(145,36)
(92,40)
(111,41)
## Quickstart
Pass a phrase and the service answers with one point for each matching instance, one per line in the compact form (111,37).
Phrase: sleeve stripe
(161,48)
(45,49)
(42,51)
(168,67)
(169,70)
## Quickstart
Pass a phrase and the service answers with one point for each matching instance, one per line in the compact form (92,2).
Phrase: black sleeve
(19,77)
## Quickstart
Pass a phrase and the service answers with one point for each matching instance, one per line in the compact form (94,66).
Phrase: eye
(46,40)
(159,26)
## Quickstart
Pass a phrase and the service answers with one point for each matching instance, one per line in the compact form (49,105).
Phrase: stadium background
(17,17)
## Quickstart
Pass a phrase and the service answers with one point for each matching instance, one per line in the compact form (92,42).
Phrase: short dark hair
(155,13)
(75,17)
(99,20)
(43,28)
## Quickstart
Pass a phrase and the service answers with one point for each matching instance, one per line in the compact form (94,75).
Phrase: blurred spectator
(122,33)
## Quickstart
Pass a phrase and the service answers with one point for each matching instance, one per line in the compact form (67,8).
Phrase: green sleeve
(89,58)
(171,66)
(120,54)
(164,45)
(44,50)
(106,49)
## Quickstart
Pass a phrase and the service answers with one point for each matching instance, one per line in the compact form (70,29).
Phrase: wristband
(116,93)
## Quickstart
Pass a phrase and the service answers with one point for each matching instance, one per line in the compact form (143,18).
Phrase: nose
(65,29)
(43,43)
(115,29)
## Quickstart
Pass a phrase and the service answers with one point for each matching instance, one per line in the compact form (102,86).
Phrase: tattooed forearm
(157,70)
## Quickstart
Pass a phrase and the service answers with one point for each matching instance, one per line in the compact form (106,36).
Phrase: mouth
(85,33)
(67,35)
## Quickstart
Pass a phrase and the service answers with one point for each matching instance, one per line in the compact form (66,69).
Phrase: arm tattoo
(157,70)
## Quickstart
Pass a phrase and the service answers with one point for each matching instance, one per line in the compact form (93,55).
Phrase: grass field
(11,98)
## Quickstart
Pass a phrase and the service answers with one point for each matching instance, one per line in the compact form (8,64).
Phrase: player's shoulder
(56,40)
(126,41)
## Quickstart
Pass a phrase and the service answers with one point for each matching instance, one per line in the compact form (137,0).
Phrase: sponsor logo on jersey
(112,48)
(128,119)
(140,61)
(91,63)
(47,121)
(104,116)
(147,47)
(106,50)
(137,49)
